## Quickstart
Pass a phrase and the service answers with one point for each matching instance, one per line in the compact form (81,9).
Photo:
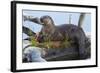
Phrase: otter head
(47,21)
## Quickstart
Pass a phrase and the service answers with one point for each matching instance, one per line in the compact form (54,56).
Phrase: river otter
(59,33)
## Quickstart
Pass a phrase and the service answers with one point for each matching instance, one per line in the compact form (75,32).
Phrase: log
(28,31)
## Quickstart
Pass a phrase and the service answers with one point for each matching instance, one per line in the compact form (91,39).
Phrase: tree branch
(28,31)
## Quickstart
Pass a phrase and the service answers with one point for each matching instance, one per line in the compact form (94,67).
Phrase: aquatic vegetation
(51,44)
